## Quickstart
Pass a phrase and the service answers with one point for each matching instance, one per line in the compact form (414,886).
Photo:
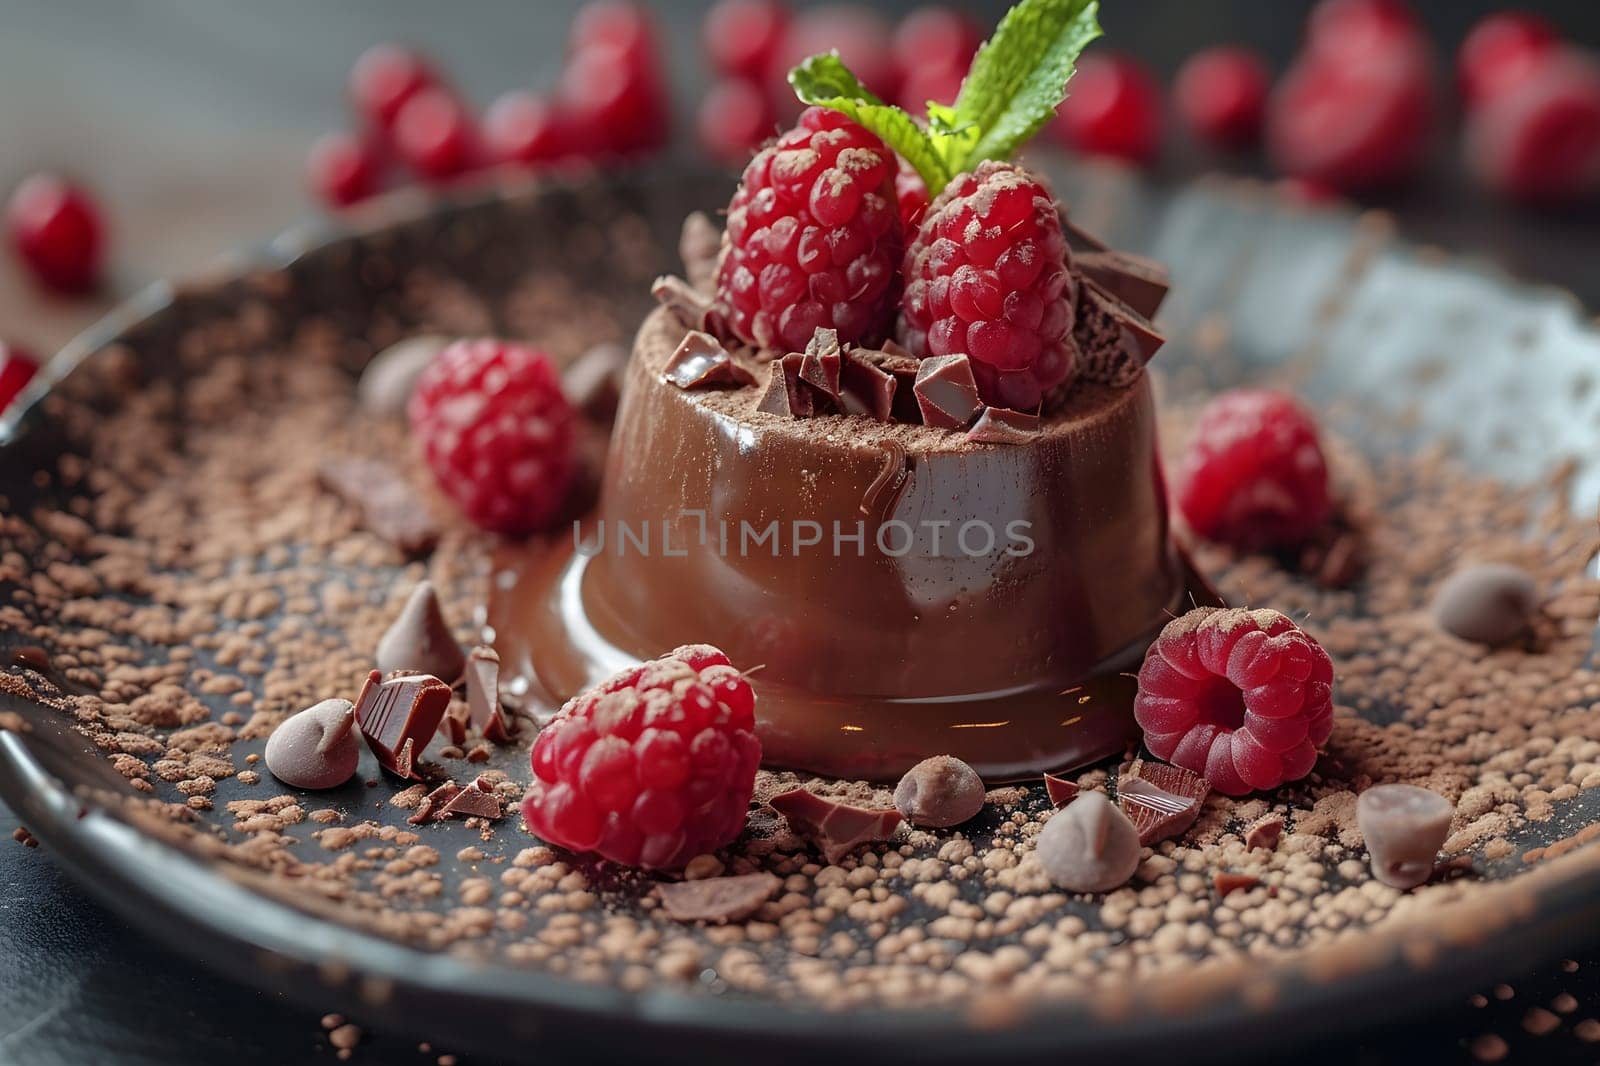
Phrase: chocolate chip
(939,792)
(699,243)
(419,640)
(1160,800)
(866,389)
(1060,790)
(483,695)
(1264,834)
(1405,826)
(390,378)
(592,382)
(836,828)
(1486,603)
(717,899)
(1089,845)
(701,361)
(1000,425)
(1140,283)
(947,393)
(398,716)
(389,506)
(316,748)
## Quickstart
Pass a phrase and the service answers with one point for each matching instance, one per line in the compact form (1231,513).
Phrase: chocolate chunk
(836,828)
(939,792)
(1405,826)
(483,695)
(786,393)
(902,366)
(388,504)
(1140,283)
(1114,341)
(702,362)
(431,807)
(391,376)
(477,800)
(866,389)
(820,364)
(316,748)
(419,640)
(1060,790)
(1161,801)
(1264,834)
(1000,425)
(717,899)
(1089,845)
(699,243)
(1486,603)
(453,726)
(947,393)
(592,382)
(398,716)
(1226,881)
(692,307)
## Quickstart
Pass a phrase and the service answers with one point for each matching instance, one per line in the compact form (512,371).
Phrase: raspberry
(612,86)
(1354,118)
(436,137)
(813,238)
(1539,140)
(1500,51)
(526,129)
(17,368)
(934,38)
(1244,698)
(652,767)
(384,78)
(1350,27)
(497,433)
(56,229)
(733,119)
(741,36)
(911,192)
(1254,476)
(987,276)
(343,169)
(1221,93)
(1113,108)
(862,37)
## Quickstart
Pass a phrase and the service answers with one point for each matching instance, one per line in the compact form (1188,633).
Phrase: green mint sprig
(1016,81)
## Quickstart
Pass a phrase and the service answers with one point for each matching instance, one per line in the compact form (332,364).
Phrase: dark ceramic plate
(1361,318)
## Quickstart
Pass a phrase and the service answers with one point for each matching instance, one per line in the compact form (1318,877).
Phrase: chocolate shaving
(717,899)
(701,361)
(477,800)
(1060,790)
(1161,801)
(836,828)
(1140,283)
(483,695)
(1114,341)
(1264,833)
(947,392)
(592,382)
(692,307)
(884,492)
(1226,881)
(1000,425)
(389,506)
(398,716)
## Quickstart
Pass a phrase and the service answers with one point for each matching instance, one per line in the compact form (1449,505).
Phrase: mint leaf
(953,139)
(1020,75)
(824,81)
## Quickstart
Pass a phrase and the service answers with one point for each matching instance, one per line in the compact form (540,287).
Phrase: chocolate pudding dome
(897,459)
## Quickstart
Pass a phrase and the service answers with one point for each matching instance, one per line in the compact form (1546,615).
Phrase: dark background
(191,118)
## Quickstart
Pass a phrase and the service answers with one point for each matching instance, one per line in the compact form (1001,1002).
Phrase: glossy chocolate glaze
(868,662)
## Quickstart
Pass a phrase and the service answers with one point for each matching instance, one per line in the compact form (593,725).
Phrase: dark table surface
(191,118)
